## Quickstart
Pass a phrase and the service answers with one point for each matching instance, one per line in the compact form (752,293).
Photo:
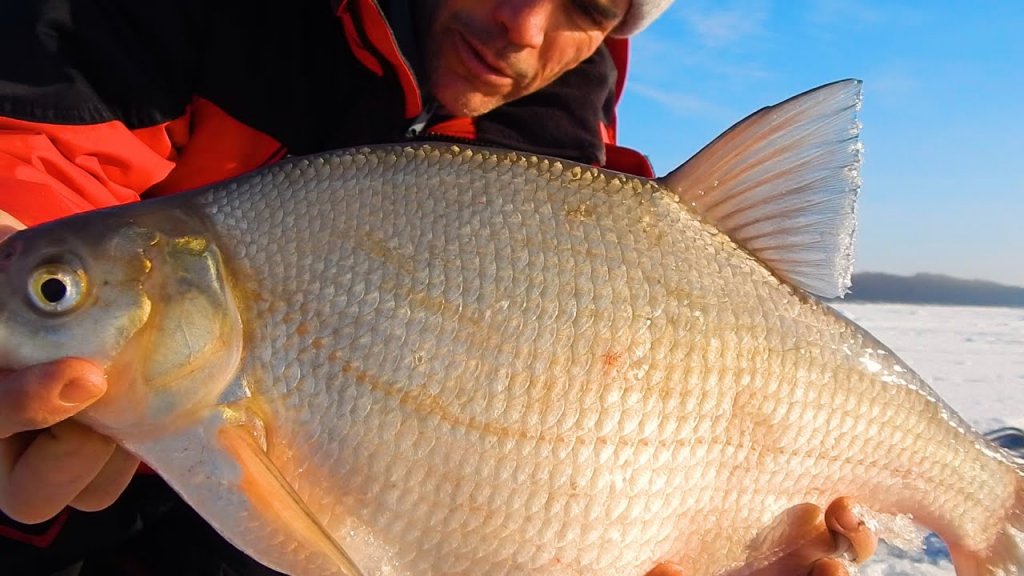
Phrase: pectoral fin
(220,468)
(272,495)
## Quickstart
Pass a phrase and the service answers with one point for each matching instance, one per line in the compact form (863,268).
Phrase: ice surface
(974,358)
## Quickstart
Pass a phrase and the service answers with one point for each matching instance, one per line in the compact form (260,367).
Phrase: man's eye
(598,13)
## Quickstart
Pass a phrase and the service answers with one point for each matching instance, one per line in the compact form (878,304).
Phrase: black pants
(149,531)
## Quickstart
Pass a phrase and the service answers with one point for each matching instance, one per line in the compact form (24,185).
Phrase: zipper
(417,126)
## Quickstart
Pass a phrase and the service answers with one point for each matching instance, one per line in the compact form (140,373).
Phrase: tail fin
(1005,556)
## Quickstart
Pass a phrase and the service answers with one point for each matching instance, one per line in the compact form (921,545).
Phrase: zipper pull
(420,122)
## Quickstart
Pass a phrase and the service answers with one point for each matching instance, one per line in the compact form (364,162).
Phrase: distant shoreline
(932,289)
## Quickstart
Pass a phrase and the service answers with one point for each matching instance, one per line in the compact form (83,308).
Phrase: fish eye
(56,288)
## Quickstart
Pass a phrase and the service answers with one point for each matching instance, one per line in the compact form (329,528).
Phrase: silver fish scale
(485,362)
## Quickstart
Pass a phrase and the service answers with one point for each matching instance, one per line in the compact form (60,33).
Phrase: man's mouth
(480,62)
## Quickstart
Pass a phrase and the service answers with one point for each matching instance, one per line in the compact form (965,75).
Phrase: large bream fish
(436,359)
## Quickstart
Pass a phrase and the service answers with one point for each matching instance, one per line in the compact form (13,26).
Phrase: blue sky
(943,112)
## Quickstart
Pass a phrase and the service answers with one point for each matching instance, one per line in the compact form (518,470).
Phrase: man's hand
(46,461)
(811,542)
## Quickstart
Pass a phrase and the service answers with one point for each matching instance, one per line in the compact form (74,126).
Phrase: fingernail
(845,519)
(81,390)
(842,518)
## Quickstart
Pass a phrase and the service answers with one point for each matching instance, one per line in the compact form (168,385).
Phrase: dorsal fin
(783,184)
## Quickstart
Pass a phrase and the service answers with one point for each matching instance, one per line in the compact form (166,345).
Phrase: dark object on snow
(1010,438)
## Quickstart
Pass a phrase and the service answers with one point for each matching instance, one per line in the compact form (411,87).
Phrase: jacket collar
(378,46)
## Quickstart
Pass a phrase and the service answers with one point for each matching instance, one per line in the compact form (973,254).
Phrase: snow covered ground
(974,358)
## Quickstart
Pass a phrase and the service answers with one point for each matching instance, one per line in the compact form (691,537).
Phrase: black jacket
(186,92)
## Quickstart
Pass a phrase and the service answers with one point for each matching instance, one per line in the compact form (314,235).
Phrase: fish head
(61,298)
(141,294)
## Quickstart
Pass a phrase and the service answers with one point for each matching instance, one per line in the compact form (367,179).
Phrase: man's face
(483,53)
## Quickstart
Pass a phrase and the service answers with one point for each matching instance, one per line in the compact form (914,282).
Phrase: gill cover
(174,369)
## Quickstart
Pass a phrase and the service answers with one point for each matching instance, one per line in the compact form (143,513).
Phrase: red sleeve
(619,157)
(53,170)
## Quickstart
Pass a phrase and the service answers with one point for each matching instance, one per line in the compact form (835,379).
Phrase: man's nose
(525,21)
